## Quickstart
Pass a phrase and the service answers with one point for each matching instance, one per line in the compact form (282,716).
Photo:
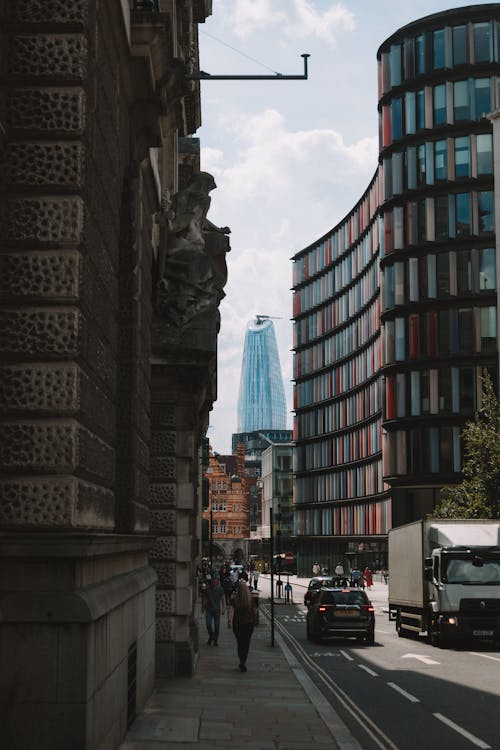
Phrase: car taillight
(367,607)
(321,609)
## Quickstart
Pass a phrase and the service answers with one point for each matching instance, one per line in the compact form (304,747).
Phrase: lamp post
(210,536)
(271,553)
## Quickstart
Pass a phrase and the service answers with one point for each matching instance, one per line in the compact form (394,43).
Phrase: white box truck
(444,579)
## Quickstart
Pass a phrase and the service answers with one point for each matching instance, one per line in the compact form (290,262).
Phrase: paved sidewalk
(273,706)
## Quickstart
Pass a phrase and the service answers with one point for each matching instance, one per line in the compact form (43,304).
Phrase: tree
(478,496)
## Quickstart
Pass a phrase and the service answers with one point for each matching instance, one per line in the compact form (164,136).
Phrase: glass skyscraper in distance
(261,398)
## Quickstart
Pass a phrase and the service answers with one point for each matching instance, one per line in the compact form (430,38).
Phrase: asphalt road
(401,693)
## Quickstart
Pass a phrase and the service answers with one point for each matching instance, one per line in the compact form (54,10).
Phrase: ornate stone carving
(191,271)
(165,628)
(165,602)
(164,520)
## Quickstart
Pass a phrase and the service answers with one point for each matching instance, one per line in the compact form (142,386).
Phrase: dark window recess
(131,684)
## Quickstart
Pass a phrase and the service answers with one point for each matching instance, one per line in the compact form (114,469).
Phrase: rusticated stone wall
(77,205)
(99,448)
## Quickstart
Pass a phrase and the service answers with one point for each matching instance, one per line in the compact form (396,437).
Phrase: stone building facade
(108,334)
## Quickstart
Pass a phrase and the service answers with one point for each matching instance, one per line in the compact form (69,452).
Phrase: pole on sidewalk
(271,553)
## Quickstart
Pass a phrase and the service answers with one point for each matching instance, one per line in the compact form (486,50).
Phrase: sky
(290,158)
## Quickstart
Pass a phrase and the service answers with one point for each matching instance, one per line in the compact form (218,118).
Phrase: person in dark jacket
(212,602)
(243,621)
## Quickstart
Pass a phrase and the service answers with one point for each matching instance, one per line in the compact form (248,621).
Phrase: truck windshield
(481,569)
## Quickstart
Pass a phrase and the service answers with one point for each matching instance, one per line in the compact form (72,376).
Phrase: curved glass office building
(261,398)
(395,310)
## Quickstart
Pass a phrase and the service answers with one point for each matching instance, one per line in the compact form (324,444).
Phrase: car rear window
(319,584)
(343,597)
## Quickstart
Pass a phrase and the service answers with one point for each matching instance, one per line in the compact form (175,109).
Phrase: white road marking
(420,657)
(475,740)
(409,696)
(347,656)
(485,656)
(323,653)
(367,669)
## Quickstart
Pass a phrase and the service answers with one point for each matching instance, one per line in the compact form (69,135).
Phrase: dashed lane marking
(402,692)
(475,740)
(367,669)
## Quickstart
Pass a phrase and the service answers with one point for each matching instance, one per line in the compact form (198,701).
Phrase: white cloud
(297,19)
(278,189)
(249,16)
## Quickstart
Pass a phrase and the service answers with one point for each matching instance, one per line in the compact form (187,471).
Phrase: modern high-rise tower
(261,398)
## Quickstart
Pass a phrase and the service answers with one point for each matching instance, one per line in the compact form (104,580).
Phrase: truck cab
(464,595)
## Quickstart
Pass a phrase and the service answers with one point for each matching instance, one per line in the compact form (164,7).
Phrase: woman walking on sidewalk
(243,621)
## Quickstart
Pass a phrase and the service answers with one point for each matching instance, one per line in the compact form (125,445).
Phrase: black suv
(343,613)
(315,584)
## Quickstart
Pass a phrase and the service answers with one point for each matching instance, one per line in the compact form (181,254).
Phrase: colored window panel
(397,119)
(438,49)
(425,401)
(488,329)
(484,145)
(482,97)
(459,45)
(444,389)
(462,156)
(466,388)
(443,275)
(422,221)
(464,272)
(440,161)
(465,331)
(400,339)
(414,336)
(432,337)
(444,331)
(461,101)
(395,65)
(420,109)
(421,164)
(410,112)
(420,54)
(486,209)
(386,126)
(390,397)
(441,217)
(487,268)
(463,214)
(482,42)
(439,100)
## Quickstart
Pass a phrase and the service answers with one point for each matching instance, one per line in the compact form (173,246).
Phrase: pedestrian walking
(316,569)
(243,622)
(368,576)
(355,576)
(256,575)
(212,604)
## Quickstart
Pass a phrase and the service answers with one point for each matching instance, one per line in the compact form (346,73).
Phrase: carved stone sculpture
(191,260)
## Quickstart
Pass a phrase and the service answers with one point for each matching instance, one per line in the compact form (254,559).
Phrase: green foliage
(478,496)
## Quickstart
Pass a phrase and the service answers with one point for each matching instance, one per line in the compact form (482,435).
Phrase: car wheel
(370,639)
